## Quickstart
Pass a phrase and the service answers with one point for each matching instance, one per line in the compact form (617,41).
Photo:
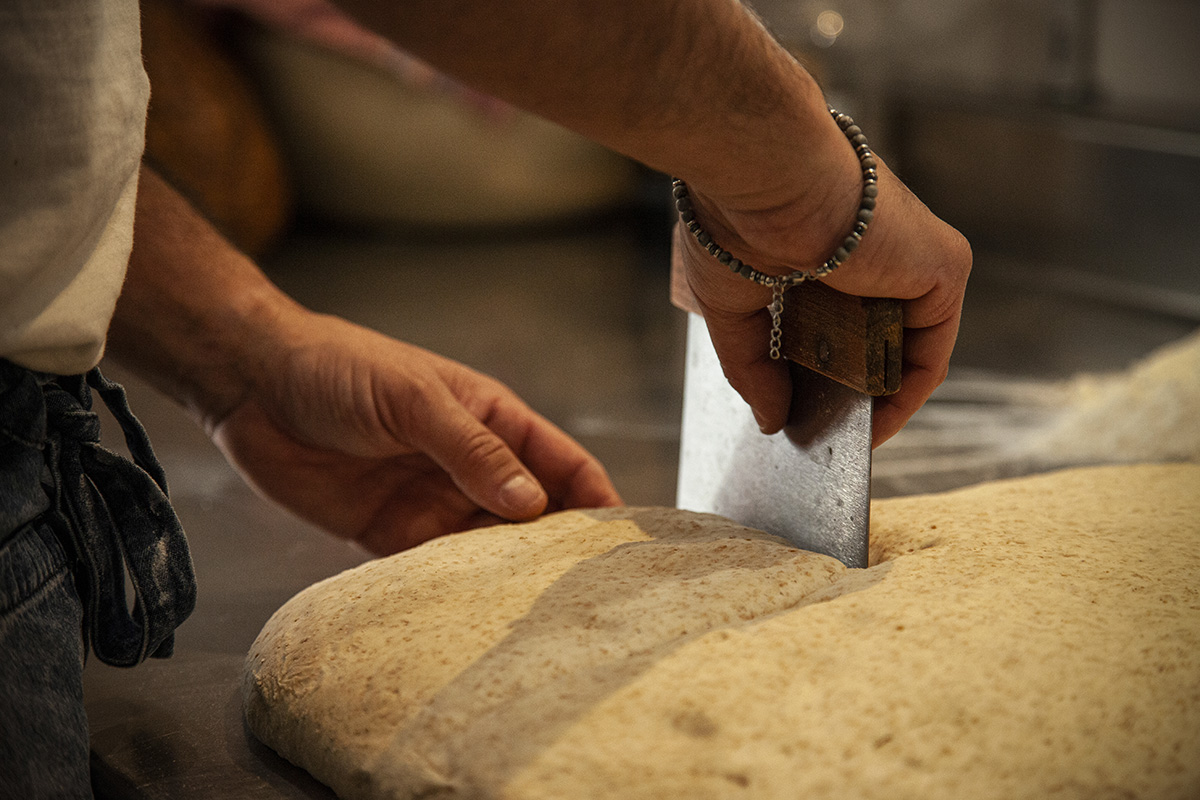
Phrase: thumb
(480,463)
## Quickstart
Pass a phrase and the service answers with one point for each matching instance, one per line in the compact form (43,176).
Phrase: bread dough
(1038,637)
(981,426)
(1150,412)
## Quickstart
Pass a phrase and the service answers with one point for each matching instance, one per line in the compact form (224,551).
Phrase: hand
(390,445)
(906,253)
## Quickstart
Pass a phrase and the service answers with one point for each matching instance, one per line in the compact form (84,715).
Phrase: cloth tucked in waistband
(111,514)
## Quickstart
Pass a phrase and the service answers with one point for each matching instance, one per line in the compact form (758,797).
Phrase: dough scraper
(809,484)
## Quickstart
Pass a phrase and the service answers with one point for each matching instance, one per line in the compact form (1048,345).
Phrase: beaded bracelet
(781,283)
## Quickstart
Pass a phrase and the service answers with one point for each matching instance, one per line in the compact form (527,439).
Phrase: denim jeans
(75,519)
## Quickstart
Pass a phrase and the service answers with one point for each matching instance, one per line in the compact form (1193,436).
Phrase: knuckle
(483,448)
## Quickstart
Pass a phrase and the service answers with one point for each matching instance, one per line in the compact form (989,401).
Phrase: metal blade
(809,484)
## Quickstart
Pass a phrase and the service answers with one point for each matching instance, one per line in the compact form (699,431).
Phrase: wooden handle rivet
(824,351)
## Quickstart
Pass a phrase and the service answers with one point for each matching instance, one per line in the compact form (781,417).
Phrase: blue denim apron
(75,521)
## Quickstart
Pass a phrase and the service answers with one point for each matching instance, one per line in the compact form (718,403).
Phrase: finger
(479,461)
(926,362)
(426,509)
(572,477)
(734,310)
(742,344)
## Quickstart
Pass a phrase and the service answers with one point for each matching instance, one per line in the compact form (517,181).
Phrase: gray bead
(865,215)
(871,190)
(725,257)
(684,203)
(841,254)
(868,162)
(679,190)
(850,244)
(688,216)
(703,238)
(853,131)
(735,265)
(867,202)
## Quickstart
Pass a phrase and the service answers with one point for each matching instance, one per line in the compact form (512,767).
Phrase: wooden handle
(856,341)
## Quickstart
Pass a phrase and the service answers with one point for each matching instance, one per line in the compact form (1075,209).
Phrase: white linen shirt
(73,98)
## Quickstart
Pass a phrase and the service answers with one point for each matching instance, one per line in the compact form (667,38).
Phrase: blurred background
(1061,136)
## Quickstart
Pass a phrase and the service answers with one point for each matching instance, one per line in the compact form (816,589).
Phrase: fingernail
(520,493)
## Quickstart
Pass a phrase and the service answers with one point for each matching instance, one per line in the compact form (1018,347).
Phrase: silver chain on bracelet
(779,284)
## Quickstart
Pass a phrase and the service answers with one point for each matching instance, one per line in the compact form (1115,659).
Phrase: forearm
(370,438)
(696,88)
(193,310)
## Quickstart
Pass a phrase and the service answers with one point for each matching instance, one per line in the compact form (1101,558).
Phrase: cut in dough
(1037,637)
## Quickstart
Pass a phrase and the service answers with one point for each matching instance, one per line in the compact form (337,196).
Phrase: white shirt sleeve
(73,98)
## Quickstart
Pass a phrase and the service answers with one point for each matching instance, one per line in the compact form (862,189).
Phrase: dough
(980,426)
(1151,412)
(1038,637)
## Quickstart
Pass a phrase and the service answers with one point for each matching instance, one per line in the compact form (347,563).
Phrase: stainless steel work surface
(175,731)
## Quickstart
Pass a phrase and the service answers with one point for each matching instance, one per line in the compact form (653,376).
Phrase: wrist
(690,222)
(236,344)
(195,317)
(800,214)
